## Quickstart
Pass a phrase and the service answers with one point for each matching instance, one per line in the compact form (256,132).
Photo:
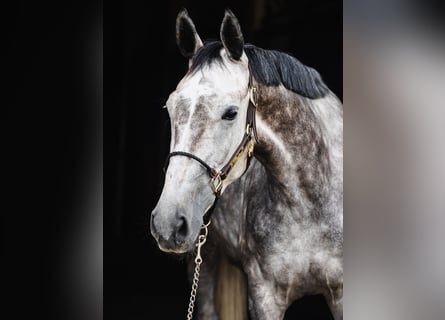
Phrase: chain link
(198,260)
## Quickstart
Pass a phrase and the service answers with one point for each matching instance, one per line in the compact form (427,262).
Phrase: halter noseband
(217,177)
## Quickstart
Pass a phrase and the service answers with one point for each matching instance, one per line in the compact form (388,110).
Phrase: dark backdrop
(142,66)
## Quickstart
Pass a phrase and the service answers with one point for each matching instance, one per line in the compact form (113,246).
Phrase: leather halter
(250,136)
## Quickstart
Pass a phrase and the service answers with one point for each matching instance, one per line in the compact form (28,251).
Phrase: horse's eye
(230,114)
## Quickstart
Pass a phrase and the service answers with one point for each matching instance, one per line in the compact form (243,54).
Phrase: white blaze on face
(209,93)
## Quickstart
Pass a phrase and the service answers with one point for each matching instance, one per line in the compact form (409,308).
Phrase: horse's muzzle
(171,234)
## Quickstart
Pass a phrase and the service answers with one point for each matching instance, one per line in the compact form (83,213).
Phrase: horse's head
(208,112)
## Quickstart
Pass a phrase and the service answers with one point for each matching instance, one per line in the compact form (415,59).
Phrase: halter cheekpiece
(248,142)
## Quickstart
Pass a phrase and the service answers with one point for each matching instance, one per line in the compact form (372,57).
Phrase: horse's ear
(231,35)
(187,38)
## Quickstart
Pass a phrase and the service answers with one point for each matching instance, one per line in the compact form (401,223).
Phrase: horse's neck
(299,167)
(299,145)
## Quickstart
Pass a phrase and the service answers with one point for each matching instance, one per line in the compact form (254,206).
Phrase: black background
(142,66)
(54,124)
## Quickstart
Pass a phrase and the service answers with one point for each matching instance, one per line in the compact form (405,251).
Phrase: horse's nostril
(182,230)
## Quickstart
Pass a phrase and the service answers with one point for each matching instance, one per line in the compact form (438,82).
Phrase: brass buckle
(250,148)
(253,96)
(249,129)
(216,183)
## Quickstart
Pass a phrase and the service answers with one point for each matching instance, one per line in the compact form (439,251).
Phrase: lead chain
(198,260)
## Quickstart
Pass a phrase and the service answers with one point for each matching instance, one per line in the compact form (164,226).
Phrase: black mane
(270,68)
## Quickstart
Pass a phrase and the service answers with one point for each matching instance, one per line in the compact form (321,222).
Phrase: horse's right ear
(187,38)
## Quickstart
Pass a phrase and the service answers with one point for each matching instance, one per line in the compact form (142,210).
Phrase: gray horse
(277,229)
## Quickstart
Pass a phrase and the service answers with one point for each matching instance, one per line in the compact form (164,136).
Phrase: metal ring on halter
(205,225)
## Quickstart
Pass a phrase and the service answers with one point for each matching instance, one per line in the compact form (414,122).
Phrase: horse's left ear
(231,35)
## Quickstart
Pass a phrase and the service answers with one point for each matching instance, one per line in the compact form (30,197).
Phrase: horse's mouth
(174,251)
(178,249)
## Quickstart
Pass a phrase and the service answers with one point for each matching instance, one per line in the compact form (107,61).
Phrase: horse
(276,131)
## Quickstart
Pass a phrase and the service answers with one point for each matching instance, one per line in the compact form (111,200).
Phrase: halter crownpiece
(248,142)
